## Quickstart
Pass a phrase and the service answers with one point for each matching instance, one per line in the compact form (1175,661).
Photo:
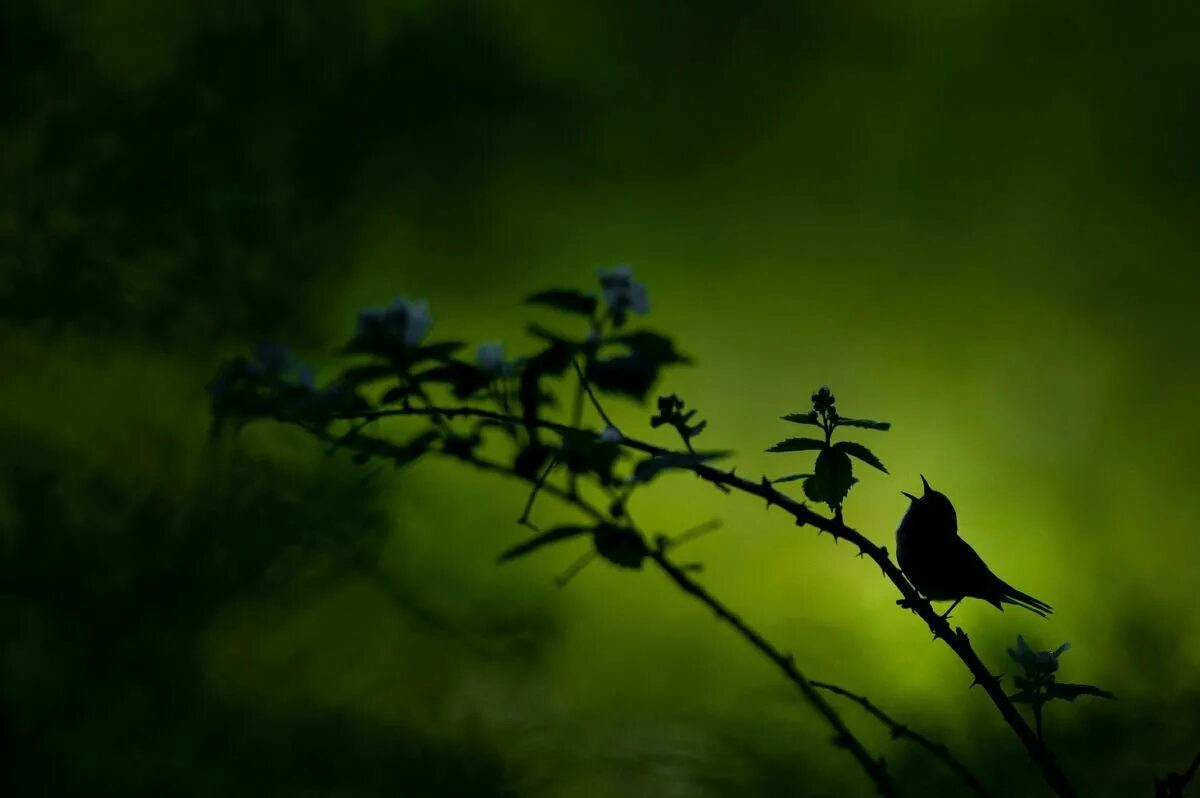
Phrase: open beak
(925,482)
(911,497)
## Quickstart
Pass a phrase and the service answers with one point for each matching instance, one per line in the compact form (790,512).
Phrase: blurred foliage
(984,214)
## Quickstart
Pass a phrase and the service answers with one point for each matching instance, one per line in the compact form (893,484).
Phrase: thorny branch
(955,639)
(876,769)
(899,731)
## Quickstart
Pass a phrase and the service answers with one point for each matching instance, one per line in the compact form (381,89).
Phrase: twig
(1173,785)
(957,640)
(874,768)
(899,730)
(587,387)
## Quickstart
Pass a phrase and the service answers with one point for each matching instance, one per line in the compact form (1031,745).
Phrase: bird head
(932,511)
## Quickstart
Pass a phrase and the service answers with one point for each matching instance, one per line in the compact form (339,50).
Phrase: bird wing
(974,578)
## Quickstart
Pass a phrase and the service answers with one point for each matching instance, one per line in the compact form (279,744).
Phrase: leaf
(1069,692)
(545,538)
(651,347)
(620,546)
(864,423)
(790,478)
(357,375)
(627,374)
(798,445)
(635,372)
(464,379)
(584,452)
(803,418)
(831,479)
(1023,697)
(565,299)
(436,351)
(651,467)
(861,452)
(402,455)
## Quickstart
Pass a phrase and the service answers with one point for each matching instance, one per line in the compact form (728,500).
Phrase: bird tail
(1010,595)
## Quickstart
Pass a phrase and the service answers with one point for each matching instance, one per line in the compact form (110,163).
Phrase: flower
(489,357)
(610,434)
(401,325)
(622,293)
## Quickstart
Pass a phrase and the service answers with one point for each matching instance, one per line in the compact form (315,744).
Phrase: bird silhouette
(942,566)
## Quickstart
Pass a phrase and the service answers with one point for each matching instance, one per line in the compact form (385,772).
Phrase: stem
(899,730)
(955,639)
(875,768)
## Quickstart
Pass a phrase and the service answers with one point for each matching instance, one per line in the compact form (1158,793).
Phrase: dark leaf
(627,374)
(396,393)
(584,453)
(651,467)
(861,452)
(554,359)
(435,351)
(831,479)
(532,459)
(803,418)
(620,546)
(358,375)
(798,445)
(1069,692)
(565,299)
(650,347)
(1023,697)
(545,538)
(464,379)
(864,423)
(411,451)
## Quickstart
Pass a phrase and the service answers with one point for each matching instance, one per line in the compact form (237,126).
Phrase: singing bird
(942,566)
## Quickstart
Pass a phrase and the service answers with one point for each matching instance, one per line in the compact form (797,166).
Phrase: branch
(956,639)
(899,730)
(1173,785)
(876,769)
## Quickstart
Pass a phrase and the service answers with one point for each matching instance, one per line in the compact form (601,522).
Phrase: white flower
(610,434)
(401,325)
(490,359)
(622,293)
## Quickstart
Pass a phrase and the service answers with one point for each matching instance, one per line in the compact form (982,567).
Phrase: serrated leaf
(651,467)
(1069,692)
(620,546)
(861,452)
(565,299)
(831,480)
(545,538)
(864,423)
(803,418)
(798,445)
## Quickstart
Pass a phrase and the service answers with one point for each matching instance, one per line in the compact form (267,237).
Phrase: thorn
(976,680)
(766,486)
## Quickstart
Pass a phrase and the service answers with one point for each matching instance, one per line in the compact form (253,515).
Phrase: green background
(975,220)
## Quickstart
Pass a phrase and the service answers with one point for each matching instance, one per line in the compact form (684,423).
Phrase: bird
(942,566)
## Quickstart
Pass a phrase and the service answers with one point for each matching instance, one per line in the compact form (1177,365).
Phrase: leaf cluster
(833,472)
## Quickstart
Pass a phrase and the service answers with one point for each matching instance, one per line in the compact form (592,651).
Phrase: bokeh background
(975,220)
